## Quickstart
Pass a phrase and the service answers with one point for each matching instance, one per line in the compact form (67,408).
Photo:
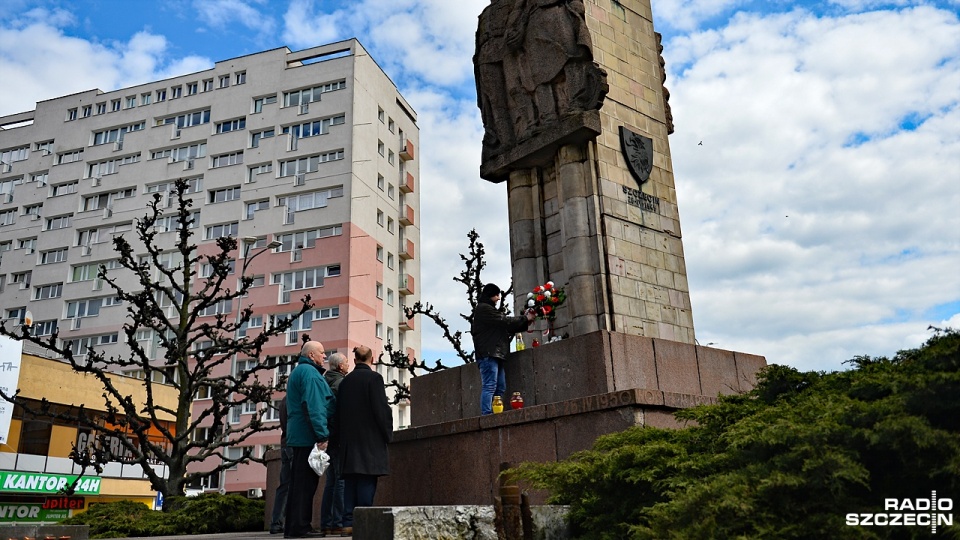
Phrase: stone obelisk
(576,121)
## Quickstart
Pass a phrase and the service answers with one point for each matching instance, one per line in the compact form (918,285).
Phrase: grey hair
(335,359)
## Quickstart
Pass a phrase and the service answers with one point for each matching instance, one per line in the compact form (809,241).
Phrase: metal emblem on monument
(638,153)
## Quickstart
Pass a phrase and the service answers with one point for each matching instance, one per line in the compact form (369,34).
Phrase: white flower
(529,295)
(530,303)
(549,285)
(546,294)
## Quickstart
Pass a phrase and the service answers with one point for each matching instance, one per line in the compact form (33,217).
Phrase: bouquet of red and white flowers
(545,299)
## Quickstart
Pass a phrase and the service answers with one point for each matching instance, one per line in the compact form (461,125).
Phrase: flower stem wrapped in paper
(545,299)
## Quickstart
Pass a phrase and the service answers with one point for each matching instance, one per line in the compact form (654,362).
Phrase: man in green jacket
(309,403)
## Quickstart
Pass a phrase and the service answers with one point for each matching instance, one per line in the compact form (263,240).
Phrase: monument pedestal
(574,391)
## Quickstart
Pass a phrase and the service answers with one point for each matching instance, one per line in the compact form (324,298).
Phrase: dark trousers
(331,509)
(303,486)
(358,490)
(280,500)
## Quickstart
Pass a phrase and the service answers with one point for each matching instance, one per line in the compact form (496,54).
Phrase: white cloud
(222,14)
(57,64)
(815,228)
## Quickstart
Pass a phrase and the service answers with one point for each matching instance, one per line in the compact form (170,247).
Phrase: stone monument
(575,122)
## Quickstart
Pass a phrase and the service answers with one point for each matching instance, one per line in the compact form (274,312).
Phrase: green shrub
(207,513)
(788,460)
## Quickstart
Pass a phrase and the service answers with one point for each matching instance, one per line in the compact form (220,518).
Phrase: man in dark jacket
(365,427)
(331,509)
(286,456)
(309,404)
(492,330)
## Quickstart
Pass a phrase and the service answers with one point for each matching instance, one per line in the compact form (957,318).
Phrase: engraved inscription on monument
(647,203)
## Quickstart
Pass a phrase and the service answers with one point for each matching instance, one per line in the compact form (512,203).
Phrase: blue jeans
(280,500)
(358,490)
(493,381)
(331,509)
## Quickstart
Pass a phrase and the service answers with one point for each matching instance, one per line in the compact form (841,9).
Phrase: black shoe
(276,531)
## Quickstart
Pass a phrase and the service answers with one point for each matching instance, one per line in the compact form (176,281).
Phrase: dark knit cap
(489,291)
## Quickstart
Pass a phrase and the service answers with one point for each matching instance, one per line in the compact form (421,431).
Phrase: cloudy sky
(820,216)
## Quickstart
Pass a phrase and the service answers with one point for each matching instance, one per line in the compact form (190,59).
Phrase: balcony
(406,150)
(406,183)
(406,218)
(406,286)
(406,252)
(406,324)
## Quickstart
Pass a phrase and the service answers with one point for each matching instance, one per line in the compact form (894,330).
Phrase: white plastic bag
(318,460)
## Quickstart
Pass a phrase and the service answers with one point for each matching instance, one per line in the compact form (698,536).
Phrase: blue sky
(819,215)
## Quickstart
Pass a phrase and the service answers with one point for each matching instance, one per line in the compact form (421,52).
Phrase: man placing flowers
(492,330)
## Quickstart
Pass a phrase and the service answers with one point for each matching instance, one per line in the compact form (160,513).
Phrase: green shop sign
(21,513)
(18,482)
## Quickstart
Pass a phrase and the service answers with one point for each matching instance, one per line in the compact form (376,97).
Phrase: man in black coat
(492,330)
(365,427)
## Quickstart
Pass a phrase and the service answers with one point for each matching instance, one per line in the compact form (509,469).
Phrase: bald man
(310,402)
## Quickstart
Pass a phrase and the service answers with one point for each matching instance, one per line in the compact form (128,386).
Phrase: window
(87,111)
(187,120)
(176,92)
(380,218)
(309,95)
(391,192)
(380,114)
(45,292)
(220,308)
(390,157)
(53,256)
(208,85)
(15,154)
(194,185)
(389,297)
(326,313)
(130,102)
(71,114)
(224,81)
(64,189)
(8,217)
(226,194)
(171,223)
(300,280)
(182,153)
(391,125)
(316,127)
(311,200)
(379,330)
(389,335)
(145,98)
(206,269)
(29,244)
(390,225)
(232,125)
(44,328)
(89,307)
(115,134)
(225,160)
(380,147)
(192,88)
(306,239)
(253,322)
(390,261)
(102,108)
(258,103)
(272,414)
(241,77)
(308,164)
(103,168)
(380,181)
(45,147)
(70,157)
(40,178)
(380,253)
(81,347)
(257,170)
(58,222)
(380,290)
(161,95)
(104,200)
(222,230)
(257,136)
(256,206)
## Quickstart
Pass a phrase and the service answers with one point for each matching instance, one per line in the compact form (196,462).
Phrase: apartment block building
(314,150)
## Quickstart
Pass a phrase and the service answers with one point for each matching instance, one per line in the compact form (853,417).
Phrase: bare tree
(469,277)
(171,299)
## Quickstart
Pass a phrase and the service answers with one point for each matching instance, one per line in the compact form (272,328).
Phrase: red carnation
(538,289)
(547,310)
(555,299)
(540,297)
